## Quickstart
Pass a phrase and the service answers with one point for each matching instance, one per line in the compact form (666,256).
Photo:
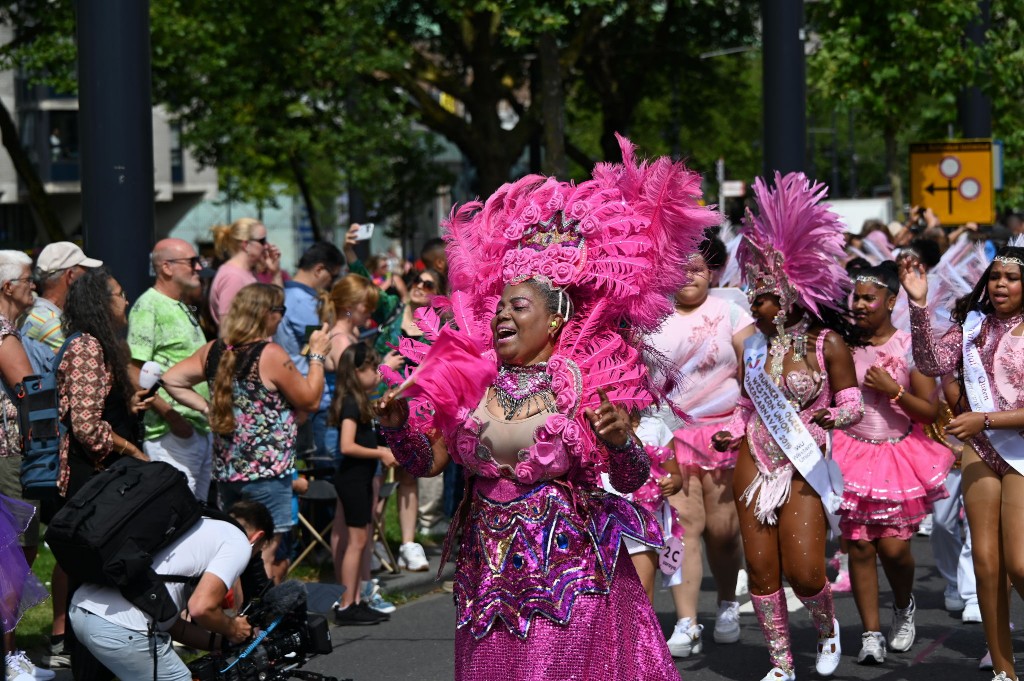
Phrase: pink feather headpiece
(794,246)
(616,245)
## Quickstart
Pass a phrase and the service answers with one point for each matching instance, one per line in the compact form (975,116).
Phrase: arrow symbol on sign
(949,189)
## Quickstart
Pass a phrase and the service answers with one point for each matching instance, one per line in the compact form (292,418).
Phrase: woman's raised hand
(914,279)
(392,411)
(610,423)
(320,342)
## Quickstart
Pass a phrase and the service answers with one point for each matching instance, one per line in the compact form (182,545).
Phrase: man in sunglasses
(162,328)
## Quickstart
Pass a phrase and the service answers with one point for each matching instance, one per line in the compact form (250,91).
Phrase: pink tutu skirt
(889,487)
(693,447)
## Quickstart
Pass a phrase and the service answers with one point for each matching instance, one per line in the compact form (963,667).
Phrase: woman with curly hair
(254,391)
(98,401)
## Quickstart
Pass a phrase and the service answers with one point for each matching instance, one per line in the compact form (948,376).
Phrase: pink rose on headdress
(589,226)
(579,210)
(517,263)
(514,230)
(562,273)
(556,202)
(531,215)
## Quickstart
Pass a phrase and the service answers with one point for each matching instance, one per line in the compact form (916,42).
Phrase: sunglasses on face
(262,241)
(193,262)
(428,284)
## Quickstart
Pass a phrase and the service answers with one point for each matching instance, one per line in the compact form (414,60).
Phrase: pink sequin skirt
(613,637)
(693,447)
(889,487)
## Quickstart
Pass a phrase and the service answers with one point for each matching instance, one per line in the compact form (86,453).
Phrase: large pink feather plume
(796,240)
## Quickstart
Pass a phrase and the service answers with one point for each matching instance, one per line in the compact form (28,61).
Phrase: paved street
(417,643)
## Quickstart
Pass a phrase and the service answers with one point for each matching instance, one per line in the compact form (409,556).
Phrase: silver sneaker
(727,623)
(902,632)
(872,648)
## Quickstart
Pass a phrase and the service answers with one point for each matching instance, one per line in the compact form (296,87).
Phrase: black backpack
(39,420)
(109,531)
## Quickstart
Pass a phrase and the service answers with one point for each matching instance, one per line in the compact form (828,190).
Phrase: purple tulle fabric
(19,588)
(543,585)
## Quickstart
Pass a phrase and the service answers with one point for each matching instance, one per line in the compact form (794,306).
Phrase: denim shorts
(274,493)
(127,653)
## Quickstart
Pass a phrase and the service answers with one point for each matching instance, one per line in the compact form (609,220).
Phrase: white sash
(784,425)
(1008,443)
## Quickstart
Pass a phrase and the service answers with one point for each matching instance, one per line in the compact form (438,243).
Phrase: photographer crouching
(213,555)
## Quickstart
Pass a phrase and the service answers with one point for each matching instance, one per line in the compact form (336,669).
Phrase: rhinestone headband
(1010,260)
(867,279)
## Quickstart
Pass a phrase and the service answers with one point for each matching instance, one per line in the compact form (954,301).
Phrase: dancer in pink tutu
(555,286)
(801,381)
(704,340)
(892,471)
(985,347)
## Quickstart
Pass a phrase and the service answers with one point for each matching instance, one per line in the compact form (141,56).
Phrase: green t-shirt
(165,331)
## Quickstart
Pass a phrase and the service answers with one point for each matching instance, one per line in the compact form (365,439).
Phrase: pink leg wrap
(821,609)
(773,615)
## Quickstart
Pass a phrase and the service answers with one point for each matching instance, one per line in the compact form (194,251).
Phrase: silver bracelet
(313,357)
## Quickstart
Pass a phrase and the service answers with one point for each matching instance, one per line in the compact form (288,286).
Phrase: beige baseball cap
(62,255)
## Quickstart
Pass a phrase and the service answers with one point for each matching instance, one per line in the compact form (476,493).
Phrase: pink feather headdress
(616,246)
(794,246)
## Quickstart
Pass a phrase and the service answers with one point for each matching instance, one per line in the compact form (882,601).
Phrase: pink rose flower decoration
(556,202)
(531,215)
(579,210)
(572,434)
(514,230)
(589,226)
(546,460)
(562,273)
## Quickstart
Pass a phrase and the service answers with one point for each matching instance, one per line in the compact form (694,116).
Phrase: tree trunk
(553,98)
(46,217)
(307,197)
(893,171)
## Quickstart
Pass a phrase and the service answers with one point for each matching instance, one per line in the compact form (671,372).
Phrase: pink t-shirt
(699,344)
(883,420)
(226,284)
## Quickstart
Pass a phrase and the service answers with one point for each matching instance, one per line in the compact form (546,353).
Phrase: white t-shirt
(212,546)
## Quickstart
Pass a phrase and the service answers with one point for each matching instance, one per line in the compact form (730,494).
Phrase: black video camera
(288,638)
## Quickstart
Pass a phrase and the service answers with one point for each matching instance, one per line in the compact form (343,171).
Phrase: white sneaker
(829,652)
(971,614)
(412,558)
(902,632)
(985,664)
(953,601)
(21,662)
(1001,676)
(777,674)
(925,528)
(872,648)
(742,583)
(686,638)
(727,622)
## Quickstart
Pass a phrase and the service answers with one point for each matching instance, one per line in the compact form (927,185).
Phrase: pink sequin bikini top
(808,388)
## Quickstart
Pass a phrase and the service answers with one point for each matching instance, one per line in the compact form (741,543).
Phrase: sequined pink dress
(1002,355)
(706,389)
(544,588)
(891,470)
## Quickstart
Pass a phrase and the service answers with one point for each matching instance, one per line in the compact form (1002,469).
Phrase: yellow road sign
(954,179)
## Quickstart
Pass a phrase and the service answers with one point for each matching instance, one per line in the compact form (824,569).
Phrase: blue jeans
(125,652)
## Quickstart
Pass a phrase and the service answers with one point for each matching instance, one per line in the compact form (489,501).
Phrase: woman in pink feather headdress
(799,383)
(531,388)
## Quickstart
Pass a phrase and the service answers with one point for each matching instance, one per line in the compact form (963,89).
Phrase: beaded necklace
(795,338)
(516,386)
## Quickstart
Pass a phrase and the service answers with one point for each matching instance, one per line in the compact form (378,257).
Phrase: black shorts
(354,485)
